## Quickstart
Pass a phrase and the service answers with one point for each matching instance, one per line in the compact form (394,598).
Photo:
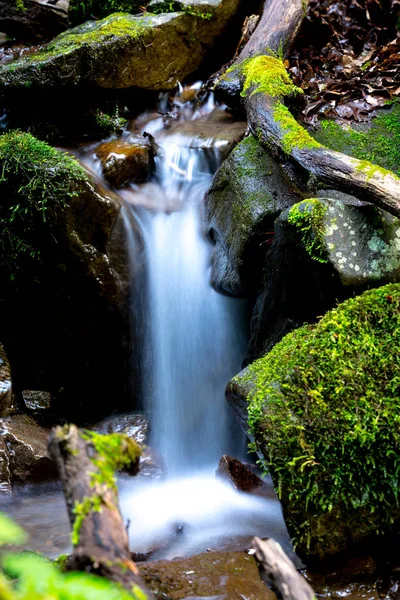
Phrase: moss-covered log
(275,32)
(86,462)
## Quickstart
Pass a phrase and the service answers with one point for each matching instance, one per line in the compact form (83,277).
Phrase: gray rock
(151,51)
(23,451)
(135,426)
(33,19)
(247,194)
(36,401)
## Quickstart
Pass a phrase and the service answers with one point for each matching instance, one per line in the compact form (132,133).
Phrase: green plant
(308,218)
(324,411)
(34,179)
(82,10)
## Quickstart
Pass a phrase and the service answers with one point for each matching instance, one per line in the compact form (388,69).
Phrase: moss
(377,142)
(266,74)
(61,561)
(325,413)
(170,6)
(308,218)
(82,10)
(20,6)
(34,179)
(294,136)
(111,453)
(108,124)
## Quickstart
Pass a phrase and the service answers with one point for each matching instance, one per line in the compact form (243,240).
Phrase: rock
(38,20)
(323,412)
(133,425)
(5,475)
(5,382)
(218,128)
(36,402)
(247,194)
(124,161)
(153,52)
(230,575)
(23,451)
(329,248)
(62,312)
(241,478)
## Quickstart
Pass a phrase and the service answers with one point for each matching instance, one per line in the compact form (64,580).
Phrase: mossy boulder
(38,20)
(247,194)
(153,52)
(60,296)
(325,249)
(323,411)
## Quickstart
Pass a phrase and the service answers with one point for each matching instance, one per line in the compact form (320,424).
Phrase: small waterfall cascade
(195,337)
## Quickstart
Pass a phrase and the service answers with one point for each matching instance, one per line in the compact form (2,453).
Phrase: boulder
(241,478)
(36,402)
(23,451)
(153,52)
(227,575)
(5,382)
(38,20)
(329,248)
(323,411)
(247,194)
(62,302)
(125,160)
(135,426)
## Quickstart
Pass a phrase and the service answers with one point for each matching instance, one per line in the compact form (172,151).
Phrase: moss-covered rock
(247,194)
(324,412)
(377,141)
(59,295)
(150,51)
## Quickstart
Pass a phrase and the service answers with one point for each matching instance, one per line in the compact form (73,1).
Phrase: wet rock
(151,51)
(64,325)
(241,478)
(36,402)
(23,450)
(247,194)
(5,382)
(133,425)
(5,475)
(230,575)
(124,161)
(218,128)
(38,20)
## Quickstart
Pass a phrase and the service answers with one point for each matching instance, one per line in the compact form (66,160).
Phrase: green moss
(308,218)
(325,413)
(170,6)
(20,6)
(112,452)
(266,74)
(34,179)
(377,142)
(61,561)
(82,10)
(294,136)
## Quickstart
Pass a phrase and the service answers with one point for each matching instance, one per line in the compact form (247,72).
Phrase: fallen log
(86,463)
(276,31)
(281,571)
(266,86)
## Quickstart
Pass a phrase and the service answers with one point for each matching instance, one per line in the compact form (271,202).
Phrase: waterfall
(195,338)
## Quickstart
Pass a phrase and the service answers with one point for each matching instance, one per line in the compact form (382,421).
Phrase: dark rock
(23,450)
(356,568)
(36,401)
(133,425)
(241,478)
(247,194)
(125,160)
(5,475)
(230,575)
(151,51)
(38,20)
(5,382)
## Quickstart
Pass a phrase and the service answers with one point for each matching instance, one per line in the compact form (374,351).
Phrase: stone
(37,20)
(36,401)
(125,160)
(23,450)
(227,575)
(135,426)
(153,52)
(247,194)
(241,478)
(5,382)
